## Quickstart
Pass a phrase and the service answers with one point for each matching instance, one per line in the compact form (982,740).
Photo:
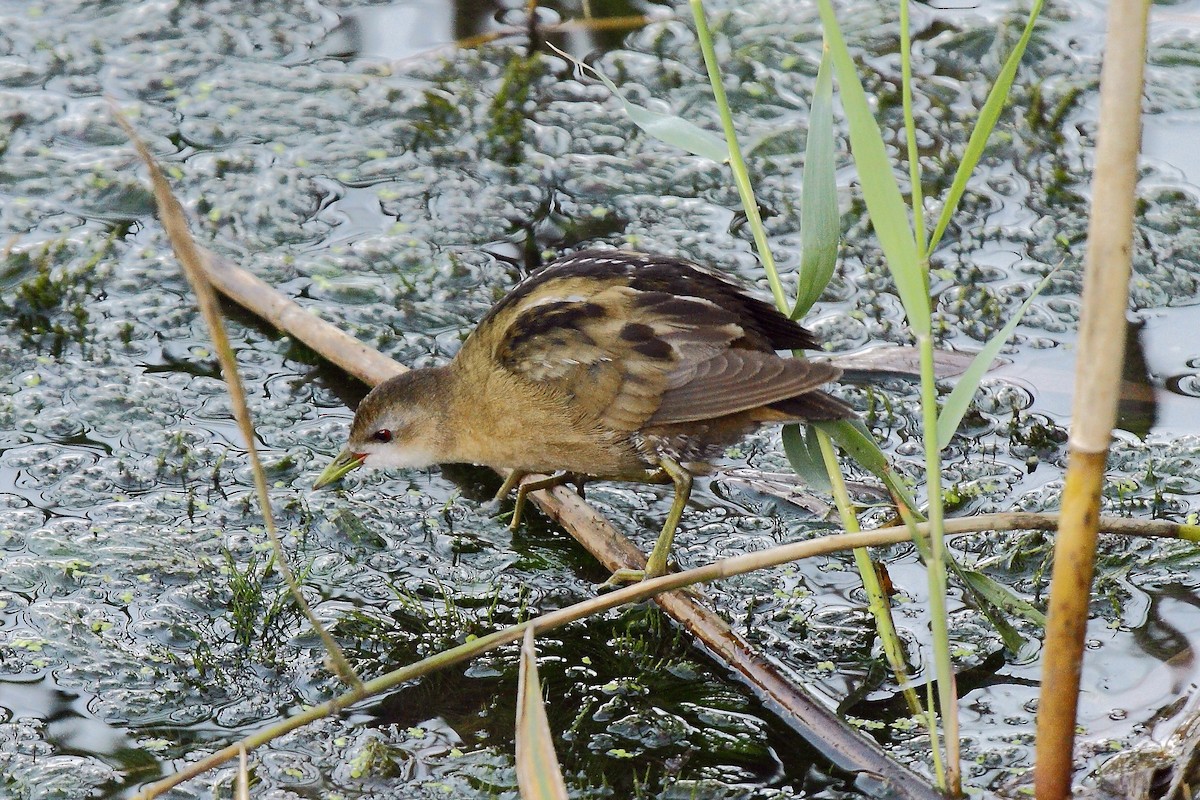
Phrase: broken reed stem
(1098,368)
(191,259)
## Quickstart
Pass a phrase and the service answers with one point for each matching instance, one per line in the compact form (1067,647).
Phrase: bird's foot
(654,569)
(623,576)
(524,488)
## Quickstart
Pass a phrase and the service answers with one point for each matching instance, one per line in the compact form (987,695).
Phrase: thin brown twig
(190,258)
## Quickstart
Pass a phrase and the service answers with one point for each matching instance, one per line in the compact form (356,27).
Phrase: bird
(603,364)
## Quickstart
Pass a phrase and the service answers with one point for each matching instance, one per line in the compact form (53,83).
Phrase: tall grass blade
(988,115)
(668,128)
(916,193)
(889,217)
(737,164)
(853,437)
(881,192)
(819,224)
(877,597)
(939,617)
(1004,598)
(538,773)
(804,455)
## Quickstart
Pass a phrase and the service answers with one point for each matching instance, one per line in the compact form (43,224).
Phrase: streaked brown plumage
(611,364)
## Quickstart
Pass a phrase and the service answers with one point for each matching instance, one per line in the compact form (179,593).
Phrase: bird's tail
(814,406)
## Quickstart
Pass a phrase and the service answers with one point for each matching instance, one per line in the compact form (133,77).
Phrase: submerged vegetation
(49,307)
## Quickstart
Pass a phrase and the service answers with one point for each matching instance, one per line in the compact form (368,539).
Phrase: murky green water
(341,153)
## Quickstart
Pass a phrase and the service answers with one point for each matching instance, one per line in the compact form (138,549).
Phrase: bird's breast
(506,421)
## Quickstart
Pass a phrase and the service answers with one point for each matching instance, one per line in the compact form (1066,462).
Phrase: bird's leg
(515,476)
(656,564)
(548,482)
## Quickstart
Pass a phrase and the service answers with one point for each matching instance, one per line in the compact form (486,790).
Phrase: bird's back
(588,272)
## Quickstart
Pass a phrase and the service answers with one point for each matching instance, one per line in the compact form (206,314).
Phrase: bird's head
(400,423)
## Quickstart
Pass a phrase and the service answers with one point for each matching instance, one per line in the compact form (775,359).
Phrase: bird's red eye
(382,435)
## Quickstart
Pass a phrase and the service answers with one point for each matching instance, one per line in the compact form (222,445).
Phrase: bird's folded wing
(612,353)
(738,380)
(626,357)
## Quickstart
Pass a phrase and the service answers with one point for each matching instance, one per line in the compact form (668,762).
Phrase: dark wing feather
(630,339)
(764,327)
(813,406)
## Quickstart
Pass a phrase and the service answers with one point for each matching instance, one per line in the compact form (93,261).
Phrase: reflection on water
(398,31)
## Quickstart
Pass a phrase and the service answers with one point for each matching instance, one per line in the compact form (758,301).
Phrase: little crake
(606,363)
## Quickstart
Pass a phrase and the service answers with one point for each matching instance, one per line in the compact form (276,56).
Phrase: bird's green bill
(337,469)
